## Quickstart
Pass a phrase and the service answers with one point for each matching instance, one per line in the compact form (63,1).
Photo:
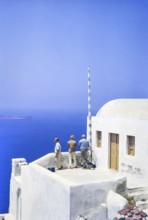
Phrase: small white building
(120,136)
(37,193)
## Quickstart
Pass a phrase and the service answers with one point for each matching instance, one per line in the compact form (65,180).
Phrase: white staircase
(140,196)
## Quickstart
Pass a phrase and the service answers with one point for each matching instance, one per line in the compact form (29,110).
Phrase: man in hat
(84,147)
(71,149)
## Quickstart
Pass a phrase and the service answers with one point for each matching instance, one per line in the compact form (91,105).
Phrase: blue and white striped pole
(89,115)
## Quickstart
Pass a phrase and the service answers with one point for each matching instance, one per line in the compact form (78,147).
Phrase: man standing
(84,147)
(57,151)
(71,149)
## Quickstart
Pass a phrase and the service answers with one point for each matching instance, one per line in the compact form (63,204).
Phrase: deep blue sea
(32,139)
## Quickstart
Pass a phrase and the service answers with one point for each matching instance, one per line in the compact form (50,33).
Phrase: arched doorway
(19,205)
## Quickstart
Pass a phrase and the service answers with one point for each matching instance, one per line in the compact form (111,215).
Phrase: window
(99,138)
(131,145)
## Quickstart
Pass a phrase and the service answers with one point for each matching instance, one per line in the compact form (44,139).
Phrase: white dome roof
(125,108)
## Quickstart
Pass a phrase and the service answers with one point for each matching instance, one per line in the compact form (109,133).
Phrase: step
(139,195)
(143,205)
(137,189)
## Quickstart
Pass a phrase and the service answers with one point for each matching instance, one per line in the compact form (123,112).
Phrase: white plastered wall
(123,127)
(43,194)
(15,188)
(47,195)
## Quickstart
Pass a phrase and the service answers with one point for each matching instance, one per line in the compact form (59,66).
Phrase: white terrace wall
(130,165)
(44,194)
(48,161)
(47,195)
(37,193)
(16,188)
(15,192)
(86,199)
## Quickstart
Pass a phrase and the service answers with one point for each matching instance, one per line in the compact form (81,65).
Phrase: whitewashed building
(120,149)
(120,136)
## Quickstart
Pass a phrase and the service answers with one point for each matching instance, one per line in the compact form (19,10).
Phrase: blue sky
(46,46)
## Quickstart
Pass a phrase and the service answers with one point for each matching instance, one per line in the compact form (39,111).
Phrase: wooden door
(114,151)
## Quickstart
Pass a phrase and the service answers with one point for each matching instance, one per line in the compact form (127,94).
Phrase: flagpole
(89,114)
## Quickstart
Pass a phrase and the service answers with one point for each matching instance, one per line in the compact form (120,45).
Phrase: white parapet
(16,166)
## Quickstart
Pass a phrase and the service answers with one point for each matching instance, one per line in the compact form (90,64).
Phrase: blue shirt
(84,144)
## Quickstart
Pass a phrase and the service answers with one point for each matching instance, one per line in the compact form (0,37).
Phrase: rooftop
(87,176)
(125,108)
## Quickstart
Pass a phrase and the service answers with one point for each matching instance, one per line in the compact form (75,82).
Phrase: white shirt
(57,147)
